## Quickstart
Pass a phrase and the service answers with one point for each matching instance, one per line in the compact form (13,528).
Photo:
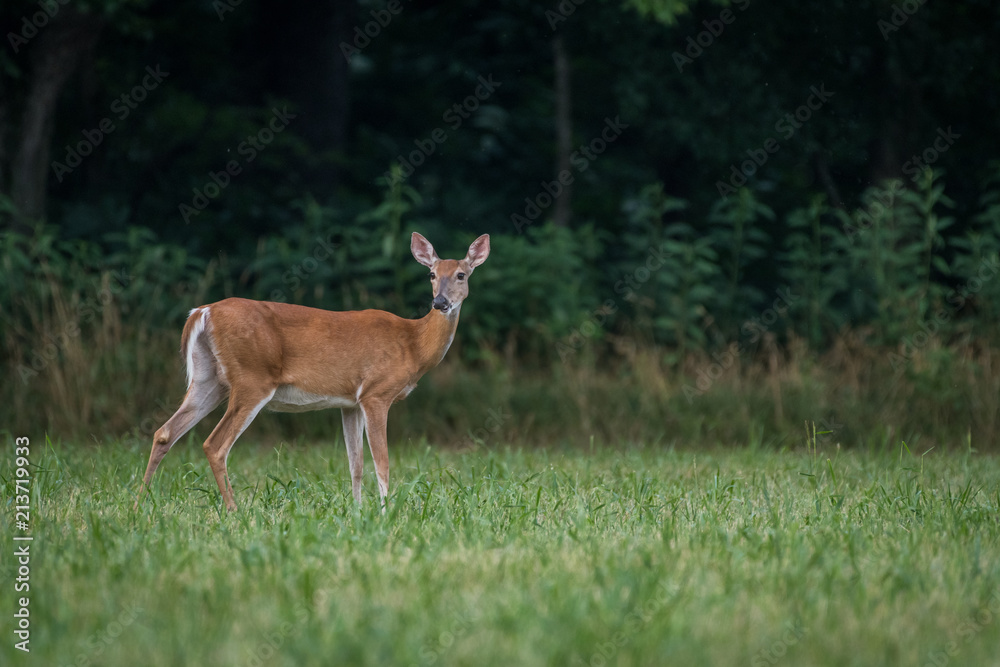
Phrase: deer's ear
(478,251)
(422,250)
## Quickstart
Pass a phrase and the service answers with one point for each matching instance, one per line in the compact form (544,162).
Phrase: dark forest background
(712,222)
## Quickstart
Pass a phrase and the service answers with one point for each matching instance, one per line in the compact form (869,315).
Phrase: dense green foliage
(893,266)
(754,149)
(682,346)
(499,557)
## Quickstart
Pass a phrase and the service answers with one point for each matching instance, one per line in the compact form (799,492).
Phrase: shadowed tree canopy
(231,130)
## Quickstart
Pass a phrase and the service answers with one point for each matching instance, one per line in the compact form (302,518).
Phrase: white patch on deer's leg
(206,396)
(201,398)
(354,433)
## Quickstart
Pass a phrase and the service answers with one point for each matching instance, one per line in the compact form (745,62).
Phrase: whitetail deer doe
(291,358)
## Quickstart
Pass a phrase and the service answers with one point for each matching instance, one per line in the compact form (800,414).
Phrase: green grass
(634,556)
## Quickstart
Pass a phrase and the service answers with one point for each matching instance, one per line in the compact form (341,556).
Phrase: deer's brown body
(288,358)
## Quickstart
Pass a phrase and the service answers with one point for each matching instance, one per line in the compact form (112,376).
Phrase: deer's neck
(437,331)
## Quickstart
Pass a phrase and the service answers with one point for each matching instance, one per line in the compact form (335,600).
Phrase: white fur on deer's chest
(288,398)
(406,392)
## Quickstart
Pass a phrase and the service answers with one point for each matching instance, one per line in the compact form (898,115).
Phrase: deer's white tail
(197,350)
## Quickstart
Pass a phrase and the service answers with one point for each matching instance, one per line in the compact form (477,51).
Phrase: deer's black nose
(440,303)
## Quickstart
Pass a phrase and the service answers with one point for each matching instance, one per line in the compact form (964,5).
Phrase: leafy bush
(890,311)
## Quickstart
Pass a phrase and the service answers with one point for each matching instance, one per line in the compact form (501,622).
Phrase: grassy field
(592,556)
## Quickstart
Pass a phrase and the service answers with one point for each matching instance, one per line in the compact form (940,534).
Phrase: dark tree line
(733,117)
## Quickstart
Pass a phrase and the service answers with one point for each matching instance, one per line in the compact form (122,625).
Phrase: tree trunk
(59,47)
(564,131)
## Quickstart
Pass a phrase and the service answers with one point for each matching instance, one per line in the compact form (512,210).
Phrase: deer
(291,358)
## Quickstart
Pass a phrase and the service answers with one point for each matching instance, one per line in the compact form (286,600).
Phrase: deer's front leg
(376,415)
(354,429)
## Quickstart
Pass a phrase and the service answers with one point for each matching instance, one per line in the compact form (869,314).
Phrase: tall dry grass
(100,364)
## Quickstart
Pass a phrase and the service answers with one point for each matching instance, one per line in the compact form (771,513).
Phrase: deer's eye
(460,276)
(433,276)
